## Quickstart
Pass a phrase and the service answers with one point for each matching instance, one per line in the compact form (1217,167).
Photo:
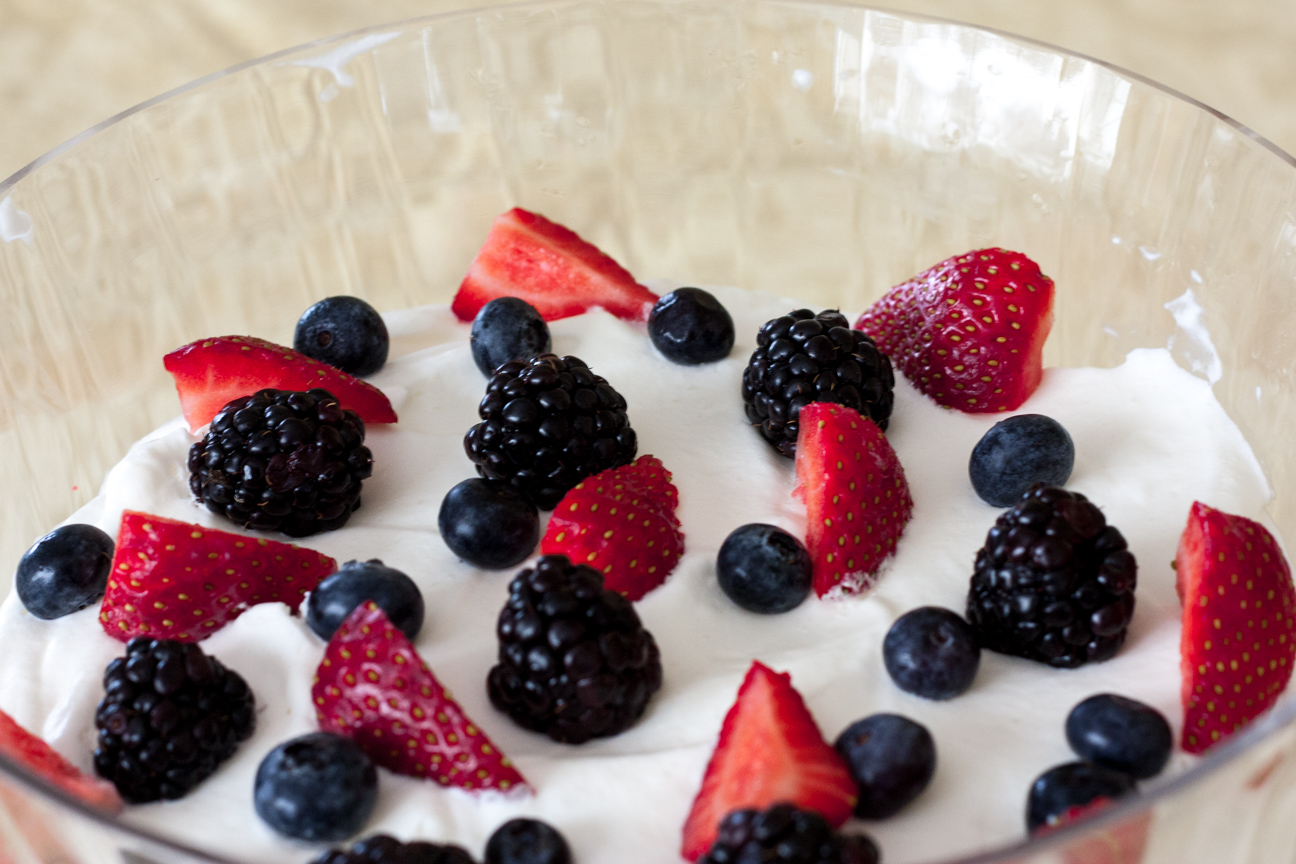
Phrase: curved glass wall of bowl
(820,151)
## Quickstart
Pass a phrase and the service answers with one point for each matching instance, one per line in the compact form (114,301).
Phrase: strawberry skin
(176,580)
(43,760)
(857,500)
(1239,616)
(552,268)
(622,523)
(373,687)
(970,331)
(770,750)
(210,373)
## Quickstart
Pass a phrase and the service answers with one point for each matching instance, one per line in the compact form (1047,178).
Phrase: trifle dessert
(610,572)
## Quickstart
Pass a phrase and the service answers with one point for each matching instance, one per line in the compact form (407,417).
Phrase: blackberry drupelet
(803,358)
(381,849)
(1054,582)
(548,423)
(170,716)
(574,660)
(784,834)
(282,460)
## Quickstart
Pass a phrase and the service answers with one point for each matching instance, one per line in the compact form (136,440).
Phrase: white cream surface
(1150,439)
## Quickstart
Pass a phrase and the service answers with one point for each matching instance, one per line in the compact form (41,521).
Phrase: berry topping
(1120,733)
(65,571)
(1058,793)
(507,329)
(317,787)
(337,596)
(42,760)
(1054,582)
(784,834)
(764,569)
(574,660)
(169,716)
(549,266)
(690,326)
(548,423)
(344,332)
(489,523)
(770,751)
(970,331)
(181,581)
(1239,611)
(381,849)
(282,460)
(1016,454)
(932,653)
(892,759)
(210,373)
(622,523)
(857,500)
(803,358)
(373,687)
(527,841)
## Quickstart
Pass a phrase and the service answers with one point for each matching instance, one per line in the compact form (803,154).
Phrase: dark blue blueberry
(527,841)
(339,594)
(344,332)
(892,758)
(507,329)
(1073,784)
(1120,733)
(931,652)
(489,524)
(1018,452)
(64,571)
(317,787)
(764,569)
(689,326)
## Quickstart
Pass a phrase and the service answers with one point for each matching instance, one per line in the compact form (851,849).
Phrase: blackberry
(1054,582)
(282,460)
(381,849)
(803,358)
(170,716)
(548,423)
(574,661)
(784,834)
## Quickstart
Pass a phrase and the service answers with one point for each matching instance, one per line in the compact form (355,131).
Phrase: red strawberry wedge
(552,268)
(970,331)
(175,580)
(1238,641)
(212,372)
(770,750)
(857,500)
(45,762)
(622,523)
(373,687)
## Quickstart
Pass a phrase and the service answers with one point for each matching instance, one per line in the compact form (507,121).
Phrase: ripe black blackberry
(381,849)
(574,660)
(282,460)
(784,834)
(548,423)
(170,716)
(802,358)
(1054,582)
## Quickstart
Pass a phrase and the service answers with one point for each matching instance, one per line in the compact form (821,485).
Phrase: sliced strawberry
(770,750)
(857,500)
(175,580)
(552,268)
(970,331)
(1122,843)
(622,523)
(1237,645)
(212,372)
(373,687)
(43,760)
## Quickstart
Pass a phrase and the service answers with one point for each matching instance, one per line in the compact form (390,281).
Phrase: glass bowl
(814,150)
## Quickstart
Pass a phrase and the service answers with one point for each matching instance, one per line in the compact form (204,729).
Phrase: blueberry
(892,758)
(64,571)
(317,787)
(507,329)
(1074,784)
(339,594)
(1018,452)
(690,326)
(344,332)
(1120,733)
(489,524)
(764,569)
(527,841)
(931,652)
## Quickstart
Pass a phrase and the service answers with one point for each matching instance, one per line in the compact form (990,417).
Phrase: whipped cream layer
(1150,438)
